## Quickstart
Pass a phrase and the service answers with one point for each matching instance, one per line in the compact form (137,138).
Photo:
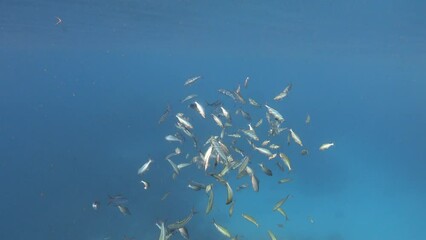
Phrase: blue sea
(83,85)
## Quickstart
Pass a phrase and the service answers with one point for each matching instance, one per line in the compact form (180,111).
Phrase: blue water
(80,103)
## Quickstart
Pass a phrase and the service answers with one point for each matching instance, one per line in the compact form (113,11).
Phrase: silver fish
(145,167)
(189,97)
(192,80)
(284,93)
(296,138)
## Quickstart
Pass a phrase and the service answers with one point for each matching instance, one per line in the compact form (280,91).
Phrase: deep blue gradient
(80,103)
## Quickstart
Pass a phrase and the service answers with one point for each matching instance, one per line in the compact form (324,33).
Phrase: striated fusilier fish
(198,108)
(286,160)
(183,222)
(189,97)
(271,235)
(296,138)
(308,119)
(284,93)
(250,219)
(266,170)
(165,114)
(222,229)
(246,82)
(123,209)
(277,116)
(326,146)
(191,81)
(145,167)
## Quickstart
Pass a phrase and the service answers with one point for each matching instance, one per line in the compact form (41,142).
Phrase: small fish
(173,138)
(258,123)
(96,205)
(181,223)
(59,21)
(183,165)
(226,114)
(296,138)
(222,229)
(215,104)
(234,135)
(191,81)
(280,203)
(254,103)
(284,93)
(271,235)
(145,167)
(231,209)
(165,114)
(282,212)
(199,108)
(284,180)
(174,166)
(184,233)
(274,146)
(242,186)
(246,82)
(286,160)
(245,114)
(266,170)
(124,210)
(308,119)
(277,116)
(117,200)
(304,152)
(196,186)
(189,97)
(210,201)
(184,121)
(229,193)
(163,231)
(266,142)
(326,146)
(165,196)
(250,219)
(255,182)
(217,121)
(146,184)
(263,151)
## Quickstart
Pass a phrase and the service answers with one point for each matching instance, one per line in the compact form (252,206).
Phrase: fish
(183,222)
(250,219)
(124,210)
(165,114)
(242,186)
(227,93)
(196,186)
(146,184)
(296,138)
(184,121)
(284,180)
(304,152)
(254,103)
(308,119)
(263,151)
(191,81)
(210,201)
(264,143)
(245,114)
(271,235)
(280,203)
(234,135)
(231,208)
(164,197)
(284,93)
(326,146)
(266,170)
(229,193)
(251,134)
(183,165)
(163,231)
(255,182)
(184,232)
(222,229)
(199,108)
(226,114)
(280,210)
(246,82)
(173,138)
(277,116)
(215,104)
(258,123)
(286,160)
(145,167)
(274,146)
(217,121)
(189,97)
(174,166)
(96,205)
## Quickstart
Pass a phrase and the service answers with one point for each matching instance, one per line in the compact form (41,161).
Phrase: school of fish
(220,154)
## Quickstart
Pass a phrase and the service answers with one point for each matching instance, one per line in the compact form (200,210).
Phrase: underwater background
(80,102)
